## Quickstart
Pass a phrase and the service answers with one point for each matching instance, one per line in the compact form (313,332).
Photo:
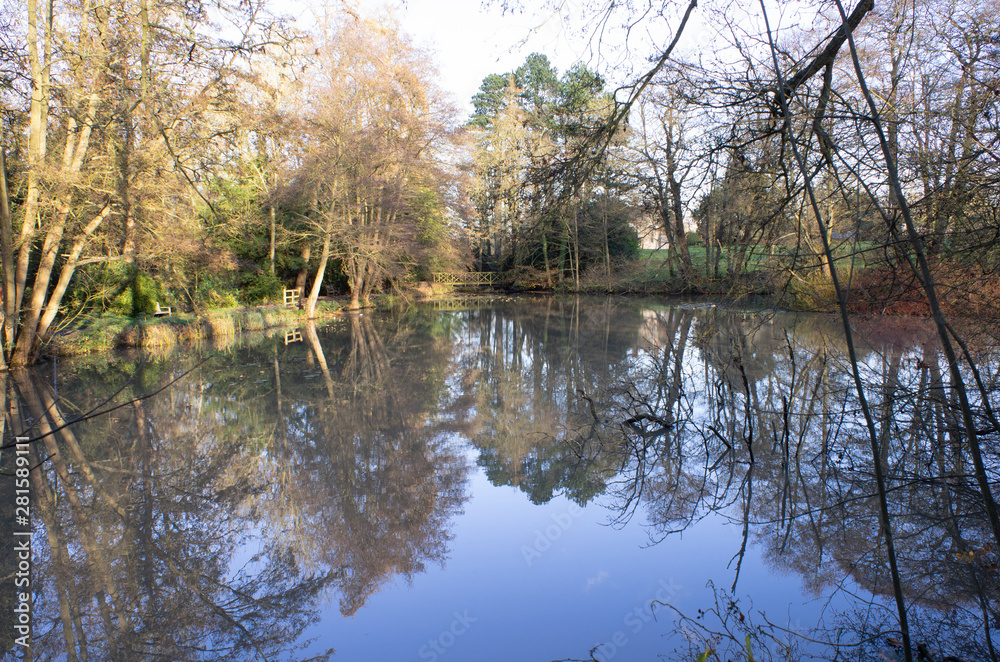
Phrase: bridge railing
(486,278)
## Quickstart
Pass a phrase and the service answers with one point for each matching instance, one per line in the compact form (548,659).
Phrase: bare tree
(379,126)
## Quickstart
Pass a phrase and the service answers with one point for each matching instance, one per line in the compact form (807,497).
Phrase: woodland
(207,155)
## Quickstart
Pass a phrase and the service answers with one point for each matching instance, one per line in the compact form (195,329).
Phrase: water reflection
(143,514)
(218,518)
(207,522)
(760,421)
(526,374)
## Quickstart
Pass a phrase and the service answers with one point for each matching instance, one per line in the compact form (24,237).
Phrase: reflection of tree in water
(774,443)
(530,370)
(685,414)
(205,523)
(334,459)
(377,477)
(141,530)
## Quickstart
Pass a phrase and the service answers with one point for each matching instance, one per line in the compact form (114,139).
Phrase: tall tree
(528,122)
(123,102)
(665,161)
(379,130)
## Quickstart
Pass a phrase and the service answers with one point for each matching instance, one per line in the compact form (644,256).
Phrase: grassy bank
(786,277)
(873,284)
(110,331)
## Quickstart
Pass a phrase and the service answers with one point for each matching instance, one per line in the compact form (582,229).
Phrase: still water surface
(532,480)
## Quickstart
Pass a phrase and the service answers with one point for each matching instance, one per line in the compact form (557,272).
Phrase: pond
(525,479)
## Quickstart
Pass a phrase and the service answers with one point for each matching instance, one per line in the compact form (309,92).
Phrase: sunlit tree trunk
(324,257)
(7,257)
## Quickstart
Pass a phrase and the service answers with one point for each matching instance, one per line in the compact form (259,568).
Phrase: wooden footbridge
(469,278)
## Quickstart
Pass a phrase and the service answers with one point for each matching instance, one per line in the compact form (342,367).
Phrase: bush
(139,298)
(812,292)
(214,293)
(259,287)
(146,293)
(694,239)
(122,304)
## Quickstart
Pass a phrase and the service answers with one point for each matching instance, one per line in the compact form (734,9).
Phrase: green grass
(658,271)
(758,259)
(91,334)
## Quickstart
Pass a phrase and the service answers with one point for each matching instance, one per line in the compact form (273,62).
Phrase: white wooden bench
(162,311)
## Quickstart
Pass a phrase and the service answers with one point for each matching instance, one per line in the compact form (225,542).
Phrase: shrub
(215,293)
(139,298)
(260,286)
(812,292)
(122,304)
(146,293)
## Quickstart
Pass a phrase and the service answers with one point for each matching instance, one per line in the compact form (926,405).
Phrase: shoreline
(110,333)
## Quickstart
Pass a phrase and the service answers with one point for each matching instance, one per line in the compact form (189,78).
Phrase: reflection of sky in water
(583,590)
(364,434)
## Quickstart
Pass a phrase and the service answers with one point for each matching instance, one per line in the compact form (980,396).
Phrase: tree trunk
(355,275)
(303,275)
(7,255)
(318,281)
(679,242)
(37,133)
(272,238)
(66,274)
